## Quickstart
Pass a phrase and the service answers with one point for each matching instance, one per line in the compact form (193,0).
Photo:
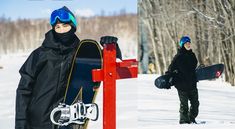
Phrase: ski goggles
(63,16)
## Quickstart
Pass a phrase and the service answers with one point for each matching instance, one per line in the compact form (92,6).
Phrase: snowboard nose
(218,73)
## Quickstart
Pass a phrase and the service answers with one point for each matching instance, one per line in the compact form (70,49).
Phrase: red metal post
(109,86)
(111,71)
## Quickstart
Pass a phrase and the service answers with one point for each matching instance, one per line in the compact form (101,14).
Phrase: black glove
(108,39)
(170,79)
(168,87)
(111,39)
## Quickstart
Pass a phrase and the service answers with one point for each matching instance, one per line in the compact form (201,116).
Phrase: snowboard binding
(76,113)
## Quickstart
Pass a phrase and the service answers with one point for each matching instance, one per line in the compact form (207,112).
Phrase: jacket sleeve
(24,91)
(173,66)
(195,61)
(119,53)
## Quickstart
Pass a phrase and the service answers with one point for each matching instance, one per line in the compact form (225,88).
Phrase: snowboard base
(78,106)
(204,73)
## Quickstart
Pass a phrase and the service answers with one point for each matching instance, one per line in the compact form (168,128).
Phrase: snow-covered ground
(139,103)
(159,108)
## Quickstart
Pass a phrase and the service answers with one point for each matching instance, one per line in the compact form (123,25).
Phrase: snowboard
(209,72)
(78,105)
(203,73)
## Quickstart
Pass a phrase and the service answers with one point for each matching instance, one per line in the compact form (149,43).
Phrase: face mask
(188,48)
(65,38)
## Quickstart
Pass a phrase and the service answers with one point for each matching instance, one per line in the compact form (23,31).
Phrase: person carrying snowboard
(183,68)
(44,75)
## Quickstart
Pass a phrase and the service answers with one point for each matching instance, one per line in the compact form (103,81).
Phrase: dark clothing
(65,38)
(111,39)
(188,115)
(43,82)
(118,52)
(183,68)
(184,64)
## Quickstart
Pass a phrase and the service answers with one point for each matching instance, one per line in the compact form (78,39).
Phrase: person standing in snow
(44,75)
(183,68)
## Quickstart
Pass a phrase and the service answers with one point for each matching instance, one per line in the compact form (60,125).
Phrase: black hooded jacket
(43,83)
(183,66)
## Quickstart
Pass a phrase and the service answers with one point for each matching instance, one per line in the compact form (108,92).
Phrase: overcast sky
(42,8)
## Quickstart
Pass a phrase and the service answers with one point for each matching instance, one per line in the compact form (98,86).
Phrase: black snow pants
(188,115)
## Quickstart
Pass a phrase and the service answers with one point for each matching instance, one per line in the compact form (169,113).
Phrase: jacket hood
(182,50)
(52,43)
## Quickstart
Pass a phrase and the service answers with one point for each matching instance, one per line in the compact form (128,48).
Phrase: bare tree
(210,24)
(27,34)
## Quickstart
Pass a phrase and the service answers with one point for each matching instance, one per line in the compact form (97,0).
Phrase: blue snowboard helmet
(184,40)
(64,15)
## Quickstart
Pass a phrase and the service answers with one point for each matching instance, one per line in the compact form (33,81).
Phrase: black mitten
(111,39)
(108,39)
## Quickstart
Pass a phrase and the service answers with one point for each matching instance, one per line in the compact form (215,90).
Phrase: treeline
(21,35)
(210,24)
(24,35)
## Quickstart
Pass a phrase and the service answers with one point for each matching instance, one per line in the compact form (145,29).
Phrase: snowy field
(159,108)
(139,104)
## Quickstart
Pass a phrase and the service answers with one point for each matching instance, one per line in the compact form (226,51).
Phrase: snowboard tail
(78,105)
(80,85)
(209,72)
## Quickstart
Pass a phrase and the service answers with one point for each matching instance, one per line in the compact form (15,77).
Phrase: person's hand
(108,39)
(168,87)
(111,39)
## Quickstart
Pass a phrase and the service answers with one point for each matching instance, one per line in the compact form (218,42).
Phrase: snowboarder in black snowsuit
(45,73)
(183,68)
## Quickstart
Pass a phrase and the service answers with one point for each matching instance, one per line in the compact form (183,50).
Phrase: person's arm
(119,53)
(195,61)
(24,91)
(173,66)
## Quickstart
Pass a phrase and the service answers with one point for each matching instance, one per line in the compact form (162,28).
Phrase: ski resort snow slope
(139,104)
(158,108)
